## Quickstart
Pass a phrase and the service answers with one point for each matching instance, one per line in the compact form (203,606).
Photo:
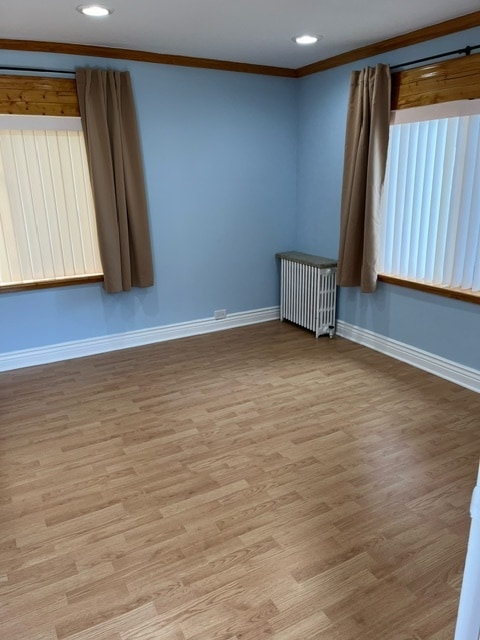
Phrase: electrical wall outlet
(220,314)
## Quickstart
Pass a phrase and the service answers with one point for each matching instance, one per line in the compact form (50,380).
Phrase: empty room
(239,292)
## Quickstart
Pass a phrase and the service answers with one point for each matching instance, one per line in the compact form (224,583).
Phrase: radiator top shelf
(307,258)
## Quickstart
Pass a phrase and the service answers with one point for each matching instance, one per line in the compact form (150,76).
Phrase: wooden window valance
(25,95)
(456,79)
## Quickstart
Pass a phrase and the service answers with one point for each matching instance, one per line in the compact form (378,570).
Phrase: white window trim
(454,109)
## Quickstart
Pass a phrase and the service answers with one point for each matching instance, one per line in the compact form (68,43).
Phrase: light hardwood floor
(251,484)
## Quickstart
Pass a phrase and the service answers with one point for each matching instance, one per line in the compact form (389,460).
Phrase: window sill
(458,294)
(48,284)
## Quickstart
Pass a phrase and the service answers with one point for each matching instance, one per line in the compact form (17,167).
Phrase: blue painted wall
(220,163)
(238,167)
(445,327)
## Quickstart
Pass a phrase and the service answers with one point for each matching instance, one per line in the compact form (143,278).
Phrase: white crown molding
(452,371)
(92,346)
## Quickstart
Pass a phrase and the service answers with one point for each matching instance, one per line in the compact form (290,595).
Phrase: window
(431,219)
(47,221)
(47,230)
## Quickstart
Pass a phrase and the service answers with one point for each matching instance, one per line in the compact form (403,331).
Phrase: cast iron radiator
(308,291)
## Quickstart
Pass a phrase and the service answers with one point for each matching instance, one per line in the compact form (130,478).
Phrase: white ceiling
(252,31)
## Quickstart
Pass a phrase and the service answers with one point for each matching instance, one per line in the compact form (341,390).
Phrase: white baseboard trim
(92,346)
(460,374)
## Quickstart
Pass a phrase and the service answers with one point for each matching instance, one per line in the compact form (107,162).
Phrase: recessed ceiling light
(94,10)
(306,39)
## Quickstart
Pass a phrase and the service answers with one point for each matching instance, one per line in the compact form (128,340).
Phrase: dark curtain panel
(366,147)
(110,127)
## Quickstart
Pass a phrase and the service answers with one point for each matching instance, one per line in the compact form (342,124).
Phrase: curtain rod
(466,51)
(37,70)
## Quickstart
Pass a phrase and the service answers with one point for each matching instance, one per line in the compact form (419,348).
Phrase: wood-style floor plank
(253,484)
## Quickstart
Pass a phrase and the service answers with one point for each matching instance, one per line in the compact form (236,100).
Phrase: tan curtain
(366,146)
(111,136)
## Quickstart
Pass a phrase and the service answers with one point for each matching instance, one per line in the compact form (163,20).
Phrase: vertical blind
(47,221)
(431,225)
